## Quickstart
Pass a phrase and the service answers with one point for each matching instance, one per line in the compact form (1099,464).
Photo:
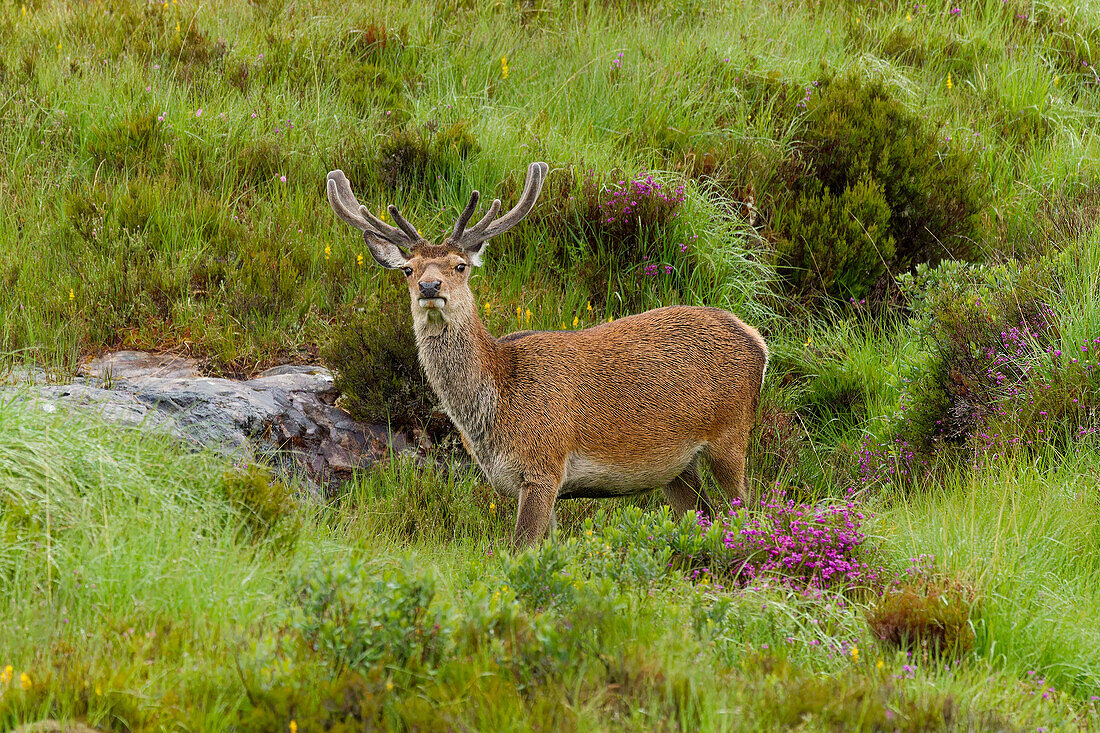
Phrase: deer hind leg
(726,458)
(685,493)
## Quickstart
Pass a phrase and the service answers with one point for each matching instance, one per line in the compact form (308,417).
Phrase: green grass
(136,598)
(146,588)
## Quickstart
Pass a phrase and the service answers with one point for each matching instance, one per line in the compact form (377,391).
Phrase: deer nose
(431,289)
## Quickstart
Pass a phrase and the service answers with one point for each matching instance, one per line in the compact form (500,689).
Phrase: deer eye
(408,271)
(460,267)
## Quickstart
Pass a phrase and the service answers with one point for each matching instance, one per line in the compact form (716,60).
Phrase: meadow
(902,198)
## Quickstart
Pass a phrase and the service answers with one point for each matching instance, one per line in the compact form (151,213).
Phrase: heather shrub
(838,245)
(418,159)
(372,351)
(619,238)
(882,195)
(135,144)
(265,503)
(1001,369)
(799,545)
(931,616)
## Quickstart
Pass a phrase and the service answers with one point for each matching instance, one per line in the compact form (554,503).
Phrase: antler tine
(489,227)
(460,225)
(348,208)
(409,229)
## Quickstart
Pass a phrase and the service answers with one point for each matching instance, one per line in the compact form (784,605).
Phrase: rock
(287,415)
(55,726)
(135,364)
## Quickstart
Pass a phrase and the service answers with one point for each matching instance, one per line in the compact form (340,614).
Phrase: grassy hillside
(902,198)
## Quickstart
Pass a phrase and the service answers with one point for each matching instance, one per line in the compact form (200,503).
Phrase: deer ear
(473,254)
(384,253)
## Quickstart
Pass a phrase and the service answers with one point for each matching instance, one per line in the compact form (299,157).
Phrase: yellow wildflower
(590,306)
(576,321)
(519,314)
(6,675)
(72,294)
(293,726)
(609,319)
(527,314)
(24,8)
(359,260)
(177,28)
(908,18)
(492,506)
(563,325)
(504,67)
(487,307)
(878,665)
(949,84)
(1057,79)
(24,680)
(855,654)
(389,685)
(328,251)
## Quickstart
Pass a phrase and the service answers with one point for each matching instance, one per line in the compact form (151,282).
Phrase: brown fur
(616,409)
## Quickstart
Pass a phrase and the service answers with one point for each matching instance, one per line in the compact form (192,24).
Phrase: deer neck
(458,356)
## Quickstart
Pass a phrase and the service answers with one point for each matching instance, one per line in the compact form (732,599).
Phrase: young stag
(616,409)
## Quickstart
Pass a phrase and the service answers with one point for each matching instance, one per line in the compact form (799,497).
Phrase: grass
(162,188)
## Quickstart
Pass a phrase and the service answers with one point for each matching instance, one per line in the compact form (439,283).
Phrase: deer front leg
(536,509)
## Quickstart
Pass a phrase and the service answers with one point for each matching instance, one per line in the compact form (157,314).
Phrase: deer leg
(726,457)
(536,509)
(685,493)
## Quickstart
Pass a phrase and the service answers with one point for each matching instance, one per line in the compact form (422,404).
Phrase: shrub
(872,160)
(266,505)
(838,245)
(802,546)
(137,143)
(419,158)
(373,352)
(373,89)
(357,620)
(933,616)
(993,379)
(619,237)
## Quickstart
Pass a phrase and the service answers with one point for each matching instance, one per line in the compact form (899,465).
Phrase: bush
(870,159)
(993,379)
(617,238)
(373,353)
(266,505)
(417,159)
(932,616)
(838,245)
(802,546)
(137,143)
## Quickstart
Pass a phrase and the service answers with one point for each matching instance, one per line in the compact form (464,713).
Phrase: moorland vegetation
(903,198)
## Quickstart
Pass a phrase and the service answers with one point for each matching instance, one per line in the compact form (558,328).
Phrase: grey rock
(286,416)
(121,365)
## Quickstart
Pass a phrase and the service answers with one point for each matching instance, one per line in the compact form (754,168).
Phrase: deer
(616,409)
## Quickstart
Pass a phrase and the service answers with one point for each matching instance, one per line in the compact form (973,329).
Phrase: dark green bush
(373,352)
(838,245)
(869,158)
(614,234)
(135,144)
(419,159)
(371,89)
(266,505)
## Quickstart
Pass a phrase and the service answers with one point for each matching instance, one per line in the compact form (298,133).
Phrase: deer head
(437,274)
